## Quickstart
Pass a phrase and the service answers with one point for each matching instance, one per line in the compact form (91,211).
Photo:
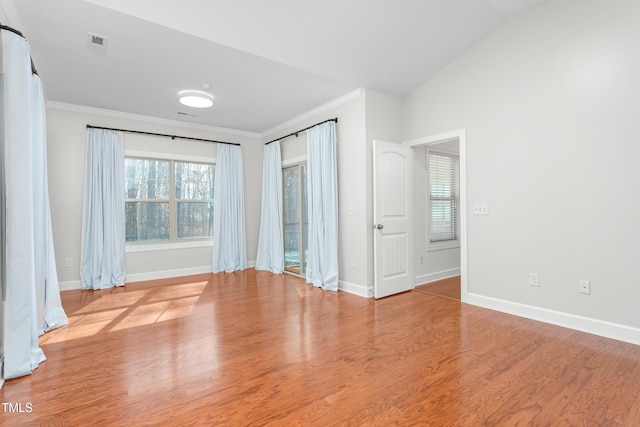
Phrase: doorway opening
(440,215)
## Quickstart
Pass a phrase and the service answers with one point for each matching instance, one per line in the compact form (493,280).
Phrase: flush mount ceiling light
(196,98)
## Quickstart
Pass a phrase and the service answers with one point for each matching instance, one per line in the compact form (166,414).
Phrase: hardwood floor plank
(252,348)
(446,288)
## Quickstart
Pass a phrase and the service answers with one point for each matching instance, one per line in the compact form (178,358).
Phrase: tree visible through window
(194,199)
(443,197)
(168,200)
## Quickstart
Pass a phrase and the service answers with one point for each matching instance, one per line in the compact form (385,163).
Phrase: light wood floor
(447,288)
(256,349)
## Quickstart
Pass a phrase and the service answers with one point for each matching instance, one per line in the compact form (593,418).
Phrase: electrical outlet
(584,286)
(353,263)
(534,279)
(68,262)
(421,259)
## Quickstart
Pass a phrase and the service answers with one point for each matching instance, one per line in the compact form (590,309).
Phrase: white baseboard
(70,285)
(438,275)
(152,275)
(167,274)
(584,324)
(352,288)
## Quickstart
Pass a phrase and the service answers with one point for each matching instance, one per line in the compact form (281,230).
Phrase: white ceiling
(266,61)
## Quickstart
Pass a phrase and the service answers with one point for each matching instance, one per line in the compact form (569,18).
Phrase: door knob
(379,226)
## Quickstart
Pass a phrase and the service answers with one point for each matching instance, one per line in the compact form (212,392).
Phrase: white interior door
(392,213)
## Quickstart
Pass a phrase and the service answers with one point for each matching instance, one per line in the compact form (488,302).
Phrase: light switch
(480,209)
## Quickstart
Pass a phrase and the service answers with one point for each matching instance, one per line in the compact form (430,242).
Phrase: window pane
(195,219)
(305,219)
(147,221)
(291,183)
(443,221)
(443,194)
(146,178)
(442,176)
(194,181)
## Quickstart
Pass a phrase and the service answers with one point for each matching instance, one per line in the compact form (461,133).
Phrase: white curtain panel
(322,177)
(229,246)
(270,244)
(102,263)
(21,353)
(51,315)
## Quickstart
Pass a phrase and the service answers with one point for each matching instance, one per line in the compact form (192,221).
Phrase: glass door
(295,218)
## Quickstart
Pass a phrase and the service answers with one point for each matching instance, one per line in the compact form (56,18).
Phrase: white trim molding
(294,161)
(149,119)
(438,275)
(70,285)
(440,138)
(152,275)
(168,156)
(167,274)
(316,111)
(354,289)
(579,323)
(146,247)
(461,136)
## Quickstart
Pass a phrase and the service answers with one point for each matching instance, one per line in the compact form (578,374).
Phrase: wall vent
(96,43)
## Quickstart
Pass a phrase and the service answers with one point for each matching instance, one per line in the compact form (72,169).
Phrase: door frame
(460,135)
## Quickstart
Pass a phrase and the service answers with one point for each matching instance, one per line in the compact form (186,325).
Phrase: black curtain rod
(13,30)
(162,134)
(302,130)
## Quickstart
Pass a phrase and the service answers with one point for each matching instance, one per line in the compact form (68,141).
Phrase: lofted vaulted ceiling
(265,62)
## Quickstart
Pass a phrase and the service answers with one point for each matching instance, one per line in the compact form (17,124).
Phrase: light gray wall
(294,147)
(66,132)
(550,103)
(351,183)
(3,17)
(384,122)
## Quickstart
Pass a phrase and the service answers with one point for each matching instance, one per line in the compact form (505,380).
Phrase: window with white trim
(168,200)
(443,200)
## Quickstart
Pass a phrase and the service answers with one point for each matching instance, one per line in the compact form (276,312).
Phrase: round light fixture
(196,98)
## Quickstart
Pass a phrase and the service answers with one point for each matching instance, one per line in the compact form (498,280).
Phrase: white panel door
(392,213)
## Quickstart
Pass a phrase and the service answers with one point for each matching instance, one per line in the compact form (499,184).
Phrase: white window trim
(148,247)
(449,244)
(154,245)
(169,156)
(294,161)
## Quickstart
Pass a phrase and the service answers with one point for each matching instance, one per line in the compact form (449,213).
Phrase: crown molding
(149,119)
(316,111)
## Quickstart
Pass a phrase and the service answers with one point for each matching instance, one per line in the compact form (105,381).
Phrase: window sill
(168,246)
(443,246)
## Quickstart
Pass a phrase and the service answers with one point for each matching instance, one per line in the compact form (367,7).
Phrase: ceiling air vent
(96,43)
